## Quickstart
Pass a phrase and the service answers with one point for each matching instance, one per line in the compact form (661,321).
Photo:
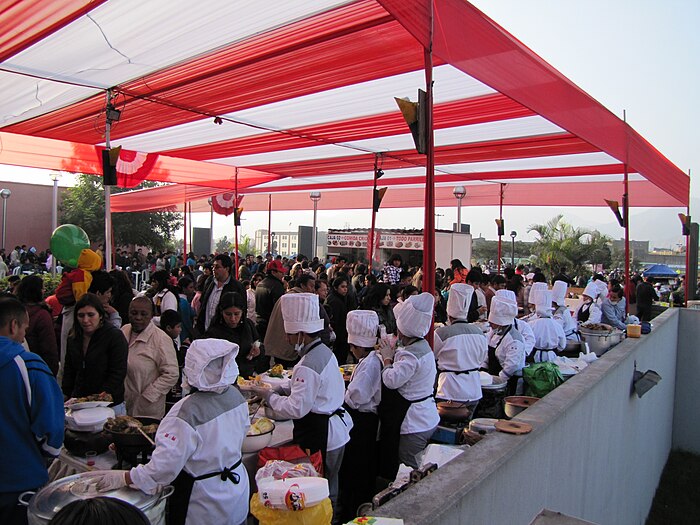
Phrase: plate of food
(277,376)
(248,384)
(93,401)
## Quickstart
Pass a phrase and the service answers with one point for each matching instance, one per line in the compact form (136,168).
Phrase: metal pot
(78,443)
(123,439)
(516,404)
(44,505)
(453,410)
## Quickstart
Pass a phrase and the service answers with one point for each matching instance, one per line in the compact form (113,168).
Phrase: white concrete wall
(686,420)
(596,451)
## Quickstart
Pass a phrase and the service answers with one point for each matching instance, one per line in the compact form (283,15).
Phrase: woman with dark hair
(165,297)
(517,286)
(122,294)
(459,272)
(99,511)
(96,355)
(232,324)
(378,299)
(40,335)
(337,308)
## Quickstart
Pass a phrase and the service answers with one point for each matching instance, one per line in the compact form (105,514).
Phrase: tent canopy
(298,96)
(660,271)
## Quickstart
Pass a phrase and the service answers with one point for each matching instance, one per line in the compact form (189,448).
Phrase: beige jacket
(276,344)
(151,371)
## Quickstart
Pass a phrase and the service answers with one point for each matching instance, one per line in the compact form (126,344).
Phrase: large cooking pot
(599,341)
(46,503)
(453,410)
(78,443)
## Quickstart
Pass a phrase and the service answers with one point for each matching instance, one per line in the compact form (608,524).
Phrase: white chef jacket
(459,346)
(317,386)
(563,317)
(549,335)
(201,434)
(526,332)
(413,375)
(510,352)
(595,313)
(365,389)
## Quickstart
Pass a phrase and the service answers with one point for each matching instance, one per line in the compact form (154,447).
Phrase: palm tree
(560,244)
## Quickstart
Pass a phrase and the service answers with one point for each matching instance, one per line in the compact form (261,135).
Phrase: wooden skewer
(146,436)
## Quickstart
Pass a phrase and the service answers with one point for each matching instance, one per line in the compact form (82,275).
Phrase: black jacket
(244,335)
(101,369)
(267,293)
(232,286)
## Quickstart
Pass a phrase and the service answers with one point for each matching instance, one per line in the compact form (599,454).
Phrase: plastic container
(293,493)
(634,330)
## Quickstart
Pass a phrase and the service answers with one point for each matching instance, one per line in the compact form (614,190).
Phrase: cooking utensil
(453,410)
(45,503)
(148,438)
(516,404)
(132,439)
(257,442)
(514,427)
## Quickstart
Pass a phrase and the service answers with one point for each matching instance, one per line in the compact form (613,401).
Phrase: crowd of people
(199,326)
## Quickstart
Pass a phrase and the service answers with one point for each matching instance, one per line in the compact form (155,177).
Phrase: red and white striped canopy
(304,93)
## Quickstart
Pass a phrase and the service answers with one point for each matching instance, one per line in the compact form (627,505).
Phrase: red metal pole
(687,251)
(429,219)
(269,223)
(235,222)
(374,215)
(626,218)
(184,239)
(500,217)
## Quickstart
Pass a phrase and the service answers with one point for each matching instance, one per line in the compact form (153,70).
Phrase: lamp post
(315,196)
(459,192)
(54,216)
(513,235)
(5,194)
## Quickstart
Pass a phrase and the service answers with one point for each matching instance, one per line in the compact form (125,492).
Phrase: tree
(245,245)
(562,245)
(84,206)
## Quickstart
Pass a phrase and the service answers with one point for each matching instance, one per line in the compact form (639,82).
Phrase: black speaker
(109,170)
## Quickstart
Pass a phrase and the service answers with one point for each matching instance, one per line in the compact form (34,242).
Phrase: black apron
(392,411)
(495,366)
(359,468)
(311,431)
(530,359)
(583,315)
(183,484)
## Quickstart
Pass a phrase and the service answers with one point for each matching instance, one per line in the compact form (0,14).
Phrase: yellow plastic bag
(320,514)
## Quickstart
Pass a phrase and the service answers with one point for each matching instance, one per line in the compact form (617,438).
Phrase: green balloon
(67,241)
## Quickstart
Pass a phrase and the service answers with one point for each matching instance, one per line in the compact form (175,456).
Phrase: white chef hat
(362,328)
(543,304)
(415,314)
(210,365)
(508,295)
(503,311)
(300,312)
(459,299)
(591,290)
(534,290)
(602,287)
(559,292)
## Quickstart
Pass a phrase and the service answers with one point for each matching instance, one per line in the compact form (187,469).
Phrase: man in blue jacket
(31,413)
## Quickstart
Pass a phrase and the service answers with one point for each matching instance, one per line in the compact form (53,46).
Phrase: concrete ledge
(497,462)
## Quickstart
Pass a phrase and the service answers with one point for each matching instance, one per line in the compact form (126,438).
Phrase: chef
(198,444)
(407,412)
(561,311)
(537,287)
(519,324)
(506,353)
(460,348)
(549,335)
(359,468)
(317,388)
(589,311)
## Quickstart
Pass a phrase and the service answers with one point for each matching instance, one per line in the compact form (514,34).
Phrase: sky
(638,56)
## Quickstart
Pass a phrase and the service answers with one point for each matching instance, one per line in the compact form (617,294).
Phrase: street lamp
(54,215)
(5,194)
(315,196)
(513,235)
(459,192)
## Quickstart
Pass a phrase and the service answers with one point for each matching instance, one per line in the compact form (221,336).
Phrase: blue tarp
(661,271)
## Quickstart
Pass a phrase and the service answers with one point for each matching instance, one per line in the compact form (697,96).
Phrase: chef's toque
(415,315)
(534,290)
(459,299)
(362,328)
(591,290)
(508,295)
(300,312)
(559,292)
(543,306)
(210,365)
(503,311)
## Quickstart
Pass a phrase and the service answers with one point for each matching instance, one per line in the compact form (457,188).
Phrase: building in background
(291,243)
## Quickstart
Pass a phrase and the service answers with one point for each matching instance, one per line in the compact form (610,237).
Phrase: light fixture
(459,192)
(113,114)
